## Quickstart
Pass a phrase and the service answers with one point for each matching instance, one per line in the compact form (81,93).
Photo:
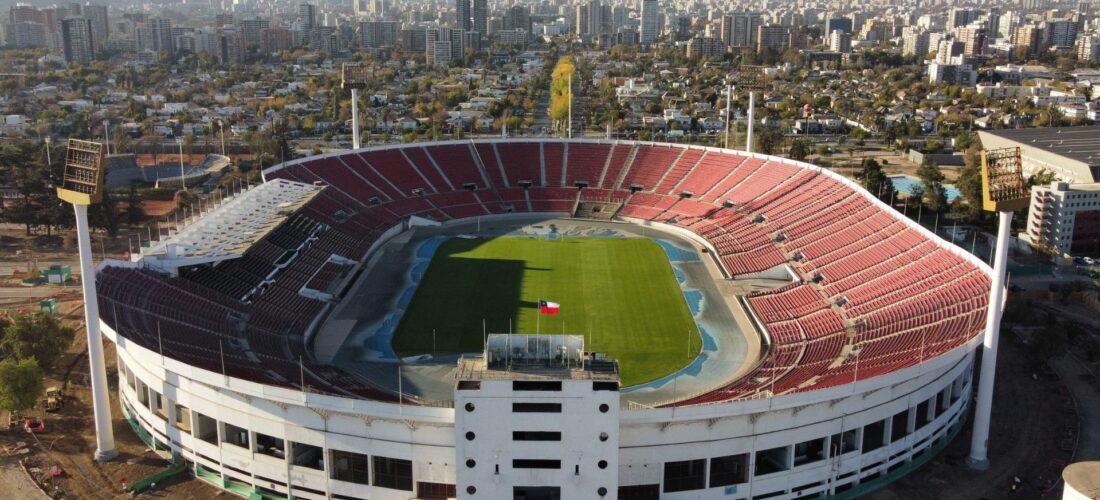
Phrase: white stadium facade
(866,343)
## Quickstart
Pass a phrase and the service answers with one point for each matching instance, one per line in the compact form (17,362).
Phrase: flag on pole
(547,307)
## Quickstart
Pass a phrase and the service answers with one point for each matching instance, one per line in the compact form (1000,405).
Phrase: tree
(933,194)
(21,384)
(36,335)
(874,180)
(800,149)
(970,183)
(769,140)
(1041,178)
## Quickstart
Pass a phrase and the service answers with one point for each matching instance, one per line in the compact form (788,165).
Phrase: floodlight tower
(1003,191)
(351,77)
(750,79)
(82,185)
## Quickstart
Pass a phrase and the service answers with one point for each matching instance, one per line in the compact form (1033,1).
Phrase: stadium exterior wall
(649,438)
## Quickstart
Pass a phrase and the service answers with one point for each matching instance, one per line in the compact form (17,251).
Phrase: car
(34,425)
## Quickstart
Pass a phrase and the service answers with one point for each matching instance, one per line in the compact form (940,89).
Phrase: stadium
(543,319)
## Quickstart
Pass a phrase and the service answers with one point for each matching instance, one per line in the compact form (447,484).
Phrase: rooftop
(1076,143)
(231,227)
(536,357)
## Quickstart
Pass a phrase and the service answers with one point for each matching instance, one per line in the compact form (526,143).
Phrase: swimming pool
(905,184)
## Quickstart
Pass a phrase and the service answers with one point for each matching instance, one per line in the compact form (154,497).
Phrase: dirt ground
(69,440)
(1033,435)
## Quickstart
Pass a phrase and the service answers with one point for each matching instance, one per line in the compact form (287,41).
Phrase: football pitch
(620,293)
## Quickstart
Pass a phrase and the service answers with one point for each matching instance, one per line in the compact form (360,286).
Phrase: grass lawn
(618,292)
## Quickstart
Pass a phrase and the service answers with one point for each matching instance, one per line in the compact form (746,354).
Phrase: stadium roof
(1077,143)
(232,226)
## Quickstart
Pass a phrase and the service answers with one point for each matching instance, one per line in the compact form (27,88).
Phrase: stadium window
(205,428)
(435,491)
(182,418)
(532,463)
(899,426)
(808,452)
(731,469)
(469,385)
(536,436)
(605,386)
(142,394)
(844,442)
(686,475)
(943,401)
(874,435)
(536,385)
(772,461)
(161,402)
(236,436)
(393,473)
(307,455)
(536,407)
(350,467)
(640,492)
(924,416)
(270,446)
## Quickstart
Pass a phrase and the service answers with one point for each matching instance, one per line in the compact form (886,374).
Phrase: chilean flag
(546,307)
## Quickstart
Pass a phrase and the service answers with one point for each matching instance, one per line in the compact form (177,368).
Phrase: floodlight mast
(750,78)
(352,78)
(1003,191)
(82,185)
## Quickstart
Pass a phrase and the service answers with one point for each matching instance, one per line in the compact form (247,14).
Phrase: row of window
(687,475)
(392,473)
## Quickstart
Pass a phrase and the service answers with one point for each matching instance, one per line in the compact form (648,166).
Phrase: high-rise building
(705,46)
(252,31)
(649,22)
(740,28)
(155,35)
(101,26)
(774,37)
(840,41)
(25,35)
(1061,33)
(443,45)
(375,34)
(683,28)
(914,41)
(961,17)
(838,24)
(1027,36)
(481,17)
(462,15)
(307,14)
(76,36)
(518,17)
(23,13)
(973,38)
(1088,48)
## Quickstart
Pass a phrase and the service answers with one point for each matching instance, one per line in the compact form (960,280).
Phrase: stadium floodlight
(1004,188)
(1003,191)
(751,79)
(82,185)
(353,76)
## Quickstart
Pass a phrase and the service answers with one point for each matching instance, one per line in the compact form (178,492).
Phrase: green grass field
(619,290)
